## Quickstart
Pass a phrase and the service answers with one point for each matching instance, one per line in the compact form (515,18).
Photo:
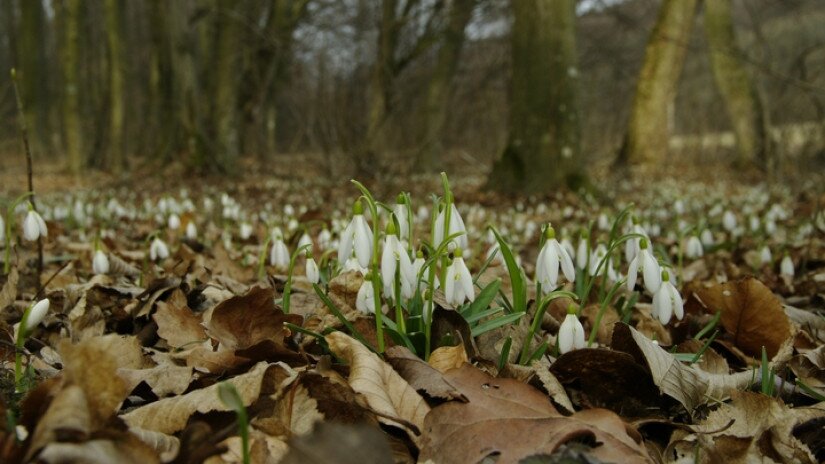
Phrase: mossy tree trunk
(742,99)
(647,136)
(224,114)
(72,130)
(438,91)
(34,72)
(542,151)
(114,30)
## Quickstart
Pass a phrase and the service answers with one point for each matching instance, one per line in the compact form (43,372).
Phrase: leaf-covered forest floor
(130,361)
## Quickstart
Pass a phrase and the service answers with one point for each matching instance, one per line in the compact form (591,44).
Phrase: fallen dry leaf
(177,324)
(385,391)
(511,421)
(243,321)
(169,415)
(445,358)
(420,375)
(751,314)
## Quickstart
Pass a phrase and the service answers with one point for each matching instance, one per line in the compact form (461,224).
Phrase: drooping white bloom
(245,231)
(631,247)
(729,221)
(571,334)
(410,283)
(356,238)
(279,254)
(37,313)
(754,223)
(34,226)
(786,266)
(393,257)
(365,300)
(651,272)
(565,243)
(304,240)
(400,211)
(765,256)
(667,301)
(352,264)
(551,257)
(582,252)
(312,272)
(158,250)
(603,222)
(191,230)
(174,222)
(693,247)
(325,239)
(100,263)
(456,225)
(707,238)
(596,257)
(458,286)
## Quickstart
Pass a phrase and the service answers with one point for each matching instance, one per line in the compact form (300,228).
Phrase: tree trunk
(115,158)
(73,136)
(542,151)
(647,134)
(224,115)
(163,99)
(34,73)
(742,99)
(439,87)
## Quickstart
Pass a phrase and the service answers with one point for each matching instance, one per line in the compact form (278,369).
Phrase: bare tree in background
(114,31)
(437,99)
(34,71)
(647,134)
(742,99)
(542,151)
(72,129)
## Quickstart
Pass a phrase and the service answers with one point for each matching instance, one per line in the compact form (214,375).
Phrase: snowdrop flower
(551,257)
(356,238)
(158,250)
(400,211)
(37,314)
(679,207)
(365,300)
(582,252)
(393,257)
(456,225)
(707,238)
(352,264)
(100,262)
(245,231)
(596,257)
(765,256)
(729,221)
(571,333)
(408,284)
(304,240)
(2,229)
(34,226)
(754,223)
(459,283)
(693,247)
(565,243)
(312,272)
(631,247)
(279,254)
(174,222)
(645,261)
(603,222)
(786,266)
(667,301)
(770,226)
(325,239)
(191,230)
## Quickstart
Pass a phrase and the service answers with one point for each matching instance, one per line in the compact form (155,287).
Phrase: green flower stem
(376,277)
(534,327)
(262,258)
(288,286)
(18,352)
(448,202)
(399,310)
(602,308)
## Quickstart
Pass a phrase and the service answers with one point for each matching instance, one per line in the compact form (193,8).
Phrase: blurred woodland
(536,90)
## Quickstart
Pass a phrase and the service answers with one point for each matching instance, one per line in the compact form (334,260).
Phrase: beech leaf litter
(192,327)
